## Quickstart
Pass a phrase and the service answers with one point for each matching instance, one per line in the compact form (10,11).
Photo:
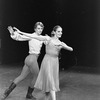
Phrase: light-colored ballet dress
(48,77)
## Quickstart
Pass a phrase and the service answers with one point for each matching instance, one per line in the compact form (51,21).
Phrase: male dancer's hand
(16,29)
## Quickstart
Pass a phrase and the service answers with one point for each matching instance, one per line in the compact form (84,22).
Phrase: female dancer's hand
(11,30)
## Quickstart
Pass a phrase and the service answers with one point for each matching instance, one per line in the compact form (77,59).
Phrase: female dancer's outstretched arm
(66,46)
(16,36)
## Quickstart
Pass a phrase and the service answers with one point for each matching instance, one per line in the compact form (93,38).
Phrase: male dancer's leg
(33,66)
(24,73)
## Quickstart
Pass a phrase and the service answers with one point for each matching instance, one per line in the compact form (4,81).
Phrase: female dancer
(48,78)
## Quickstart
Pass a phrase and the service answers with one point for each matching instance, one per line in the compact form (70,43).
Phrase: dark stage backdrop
(79,19)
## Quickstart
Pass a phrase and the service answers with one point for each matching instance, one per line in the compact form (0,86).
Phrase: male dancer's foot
(8,91)
(29,93)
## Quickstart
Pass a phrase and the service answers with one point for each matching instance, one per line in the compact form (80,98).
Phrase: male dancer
(31,64)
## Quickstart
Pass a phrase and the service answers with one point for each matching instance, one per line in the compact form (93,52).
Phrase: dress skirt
(48,77)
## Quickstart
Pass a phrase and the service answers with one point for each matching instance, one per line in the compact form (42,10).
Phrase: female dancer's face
(39,29)
(58,32)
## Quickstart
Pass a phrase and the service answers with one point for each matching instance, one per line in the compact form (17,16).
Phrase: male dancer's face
(39,29)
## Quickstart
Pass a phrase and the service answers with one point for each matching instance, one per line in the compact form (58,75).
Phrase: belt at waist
(34,54)
(52,55)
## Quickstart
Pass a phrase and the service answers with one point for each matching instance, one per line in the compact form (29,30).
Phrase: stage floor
(74,85)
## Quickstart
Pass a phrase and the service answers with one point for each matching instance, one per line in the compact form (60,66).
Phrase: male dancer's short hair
(38,23)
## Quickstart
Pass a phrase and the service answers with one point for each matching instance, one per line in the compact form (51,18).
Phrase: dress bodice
(53,47)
